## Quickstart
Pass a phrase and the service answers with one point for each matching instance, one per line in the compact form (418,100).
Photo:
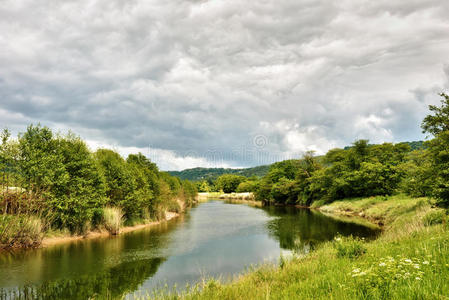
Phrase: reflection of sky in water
(218,240)
(214,239)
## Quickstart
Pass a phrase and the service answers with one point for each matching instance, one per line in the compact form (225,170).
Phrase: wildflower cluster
(387,271)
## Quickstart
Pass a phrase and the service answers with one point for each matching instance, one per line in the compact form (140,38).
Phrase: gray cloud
(227,83)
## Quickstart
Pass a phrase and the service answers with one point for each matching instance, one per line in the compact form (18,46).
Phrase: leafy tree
(437,124)
(75,198)
(247,186)
(203,186)
(418,180)
(229,182)
(41,165)
(120,183)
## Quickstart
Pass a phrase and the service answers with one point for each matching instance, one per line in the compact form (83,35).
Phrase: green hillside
(213,173)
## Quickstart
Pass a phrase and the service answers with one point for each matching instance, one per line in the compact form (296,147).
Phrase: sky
(223,83)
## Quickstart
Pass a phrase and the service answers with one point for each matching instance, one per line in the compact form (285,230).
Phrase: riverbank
(410,260)
(226,196)
(67,238)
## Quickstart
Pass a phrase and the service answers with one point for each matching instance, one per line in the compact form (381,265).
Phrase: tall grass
(112,217)
(22,231)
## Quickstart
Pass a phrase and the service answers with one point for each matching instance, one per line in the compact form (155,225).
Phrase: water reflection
(110,283)
(302,229)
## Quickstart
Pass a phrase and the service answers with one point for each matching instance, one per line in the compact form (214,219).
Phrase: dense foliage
(58,179)
(228,183)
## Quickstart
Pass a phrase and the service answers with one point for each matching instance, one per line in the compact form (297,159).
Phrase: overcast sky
(223,83)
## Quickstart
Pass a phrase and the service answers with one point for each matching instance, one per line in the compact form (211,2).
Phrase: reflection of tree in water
(112,283)
(302,229)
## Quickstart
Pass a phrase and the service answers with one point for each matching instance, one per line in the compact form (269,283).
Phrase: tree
(438,121)
(229,182)
(83,189)
(118,178)
(247,186)
(203,186)
(437,124)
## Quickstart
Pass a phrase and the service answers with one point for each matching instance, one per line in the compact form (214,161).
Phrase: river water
(214,239)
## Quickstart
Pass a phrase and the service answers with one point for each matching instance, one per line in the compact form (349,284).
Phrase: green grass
(410,260)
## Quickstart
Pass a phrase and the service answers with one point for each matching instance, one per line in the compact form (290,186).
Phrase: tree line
(57,179)
(362,170)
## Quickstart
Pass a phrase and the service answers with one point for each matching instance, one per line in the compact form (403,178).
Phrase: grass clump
(112,217)
(434,217)
(349,247)
(20,231)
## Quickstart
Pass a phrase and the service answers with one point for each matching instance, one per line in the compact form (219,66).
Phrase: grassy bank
(64,236)
(410,260)
(28,231)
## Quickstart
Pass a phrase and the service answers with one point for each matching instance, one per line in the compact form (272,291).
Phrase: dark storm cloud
(227,83)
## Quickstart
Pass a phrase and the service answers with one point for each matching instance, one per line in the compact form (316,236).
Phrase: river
(213,239)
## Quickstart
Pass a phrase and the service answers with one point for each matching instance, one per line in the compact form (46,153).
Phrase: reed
(112,217)
(22,231)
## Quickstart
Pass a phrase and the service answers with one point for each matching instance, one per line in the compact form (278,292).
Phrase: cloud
(202,81)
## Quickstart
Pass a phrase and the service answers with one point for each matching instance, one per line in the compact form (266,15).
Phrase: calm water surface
(215,239)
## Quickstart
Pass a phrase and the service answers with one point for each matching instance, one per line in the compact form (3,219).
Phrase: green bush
(349,247)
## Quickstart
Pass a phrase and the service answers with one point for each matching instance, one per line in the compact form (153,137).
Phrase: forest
(54,182)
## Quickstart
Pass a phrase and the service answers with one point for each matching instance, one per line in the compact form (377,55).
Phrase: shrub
(20,231)
(112,217)
(349,247)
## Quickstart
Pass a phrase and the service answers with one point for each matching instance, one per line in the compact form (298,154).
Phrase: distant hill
(196,174)
(415,145)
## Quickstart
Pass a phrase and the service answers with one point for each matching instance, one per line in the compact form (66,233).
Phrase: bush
(112,217)
(20,231)
(349,247)
(434,217)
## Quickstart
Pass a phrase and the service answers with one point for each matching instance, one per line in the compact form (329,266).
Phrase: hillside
(214,173)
